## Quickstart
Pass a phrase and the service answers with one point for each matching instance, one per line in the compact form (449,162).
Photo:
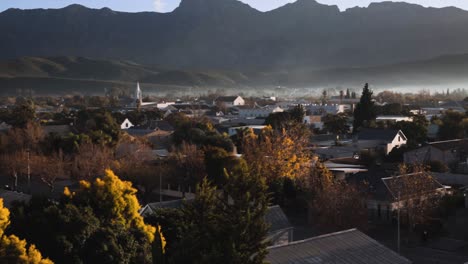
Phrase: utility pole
(160,186)
(398,222)
(29,172)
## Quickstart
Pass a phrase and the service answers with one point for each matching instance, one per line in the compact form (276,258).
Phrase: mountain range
(62,75)
(229,35)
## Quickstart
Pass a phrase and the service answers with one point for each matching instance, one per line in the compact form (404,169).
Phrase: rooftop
(378,134)
(346,247)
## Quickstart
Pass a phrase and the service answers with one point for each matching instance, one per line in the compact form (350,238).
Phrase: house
(447,152)
(279,233)
(384,140)
(230,101)
(387,193)
(345,247)
(126,124)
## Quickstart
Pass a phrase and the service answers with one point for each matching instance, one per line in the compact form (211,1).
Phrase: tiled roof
(411,184)
(346,247)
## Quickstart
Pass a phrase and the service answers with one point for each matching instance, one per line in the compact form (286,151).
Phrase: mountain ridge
(231,35)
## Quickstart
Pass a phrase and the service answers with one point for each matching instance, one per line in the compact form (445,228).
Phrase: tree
(226,223)
(99,222)
(90,161)
(365,109)
(340,206)
(277,154)
(288,119)
(100,126)
(415,189)
(454,125)
(334,204)
(336,124)
(14,250)
(415,131)
(23,113)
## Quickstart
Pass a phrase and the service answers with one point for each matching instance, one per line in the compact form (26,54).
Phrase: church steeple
(138,95)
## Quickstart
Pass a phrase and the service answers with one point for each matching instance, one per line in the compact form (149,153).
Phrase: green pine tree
(365,111)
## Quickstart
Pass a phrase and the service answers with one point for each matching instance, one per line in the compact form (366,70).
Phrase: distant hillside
(78,74)
(230,35)
(92,76)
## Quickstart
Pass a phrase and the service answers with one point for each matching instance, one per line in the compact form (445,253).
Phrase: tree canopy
(97,223)
(14,250)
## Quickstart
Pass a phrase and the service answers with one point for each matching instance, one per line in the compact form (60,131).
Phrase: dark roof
(169,204)
(10,196)
(346,247)
(277,219)
(373,180)
(191,106)
(378,134)
(150,127)
(57,129)
(405,184)
(226,98)
(275,216)
(451,144)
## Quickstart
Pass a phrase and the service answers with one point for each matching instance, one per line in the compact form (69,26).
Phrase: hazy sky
(169,5)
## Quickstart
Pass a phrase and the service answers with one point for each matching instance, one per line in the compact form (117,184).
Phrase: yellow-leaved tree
(114,201)
(277,154)
(14,250)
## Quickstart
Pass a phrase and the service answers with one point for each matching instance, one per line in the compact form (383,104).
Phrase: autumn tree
(417,191)
(14,250)
(99,222)
(334,204)
(90,161)
(365,109)
(279,156)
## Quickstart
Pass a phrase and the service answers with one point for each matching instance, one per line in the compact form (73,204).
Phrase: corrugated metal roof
(346,247)
(277,219)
